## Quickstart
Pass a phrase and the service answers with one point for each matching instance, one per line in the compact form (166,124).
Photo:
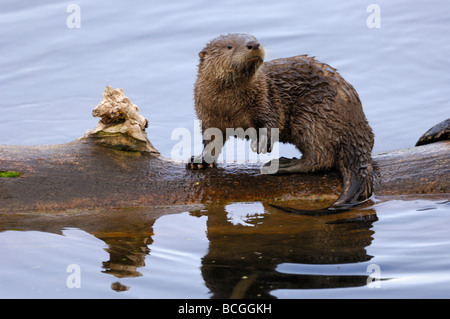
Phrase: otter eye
(230,46)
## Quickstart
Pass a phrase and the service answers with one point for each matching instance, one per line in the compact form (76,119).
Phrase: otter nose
(252,45)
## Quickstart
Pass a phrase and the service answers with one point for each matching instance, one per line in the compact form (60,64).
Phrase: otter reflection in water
(243,259)
(250,246)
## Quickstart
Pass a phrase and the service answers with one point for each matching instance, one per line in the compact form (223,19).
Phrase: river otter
(313,107)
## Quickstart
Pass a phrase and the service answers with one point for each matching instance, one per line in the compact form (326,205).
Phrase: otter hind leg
(305,164)
(291,166)
(280,166)
(357,184)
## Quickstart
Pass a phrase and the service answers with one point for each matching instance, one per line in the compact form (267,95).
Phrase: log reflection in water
(247,244)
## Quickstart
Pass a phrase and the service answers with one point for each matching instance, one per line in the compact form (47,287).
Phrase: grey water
(391,249)
(52,76)
(54,68)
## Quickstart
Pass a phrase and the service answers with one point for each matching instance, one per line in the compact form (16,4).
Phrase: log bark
(84,174)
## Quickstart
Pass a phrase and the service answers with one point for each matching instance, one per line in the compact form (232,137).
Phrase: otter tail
(357,188)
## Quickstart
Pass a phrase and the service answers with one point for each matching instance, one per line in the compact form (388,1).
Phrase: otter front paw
(197,162)
(262,145)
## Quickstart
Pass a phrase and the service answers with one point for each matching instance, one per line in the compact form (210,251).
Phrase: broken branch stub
(121,125)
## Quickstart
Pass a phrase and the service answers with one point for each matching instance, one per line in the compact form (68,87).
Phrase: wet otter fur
(313,107)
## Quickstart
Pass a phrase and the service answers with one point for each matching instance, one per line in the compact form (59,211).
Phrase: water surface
(396,248)
(53,76)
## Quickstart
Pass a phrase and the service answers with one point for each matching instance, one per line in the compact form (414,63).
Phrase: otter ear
(202,55)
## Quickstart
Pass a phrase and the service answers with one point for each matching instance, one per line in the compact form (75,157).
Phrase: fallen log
(111,167)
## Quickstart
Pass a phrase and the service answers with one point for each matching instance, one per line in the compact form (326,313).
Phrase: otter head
(231,58)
